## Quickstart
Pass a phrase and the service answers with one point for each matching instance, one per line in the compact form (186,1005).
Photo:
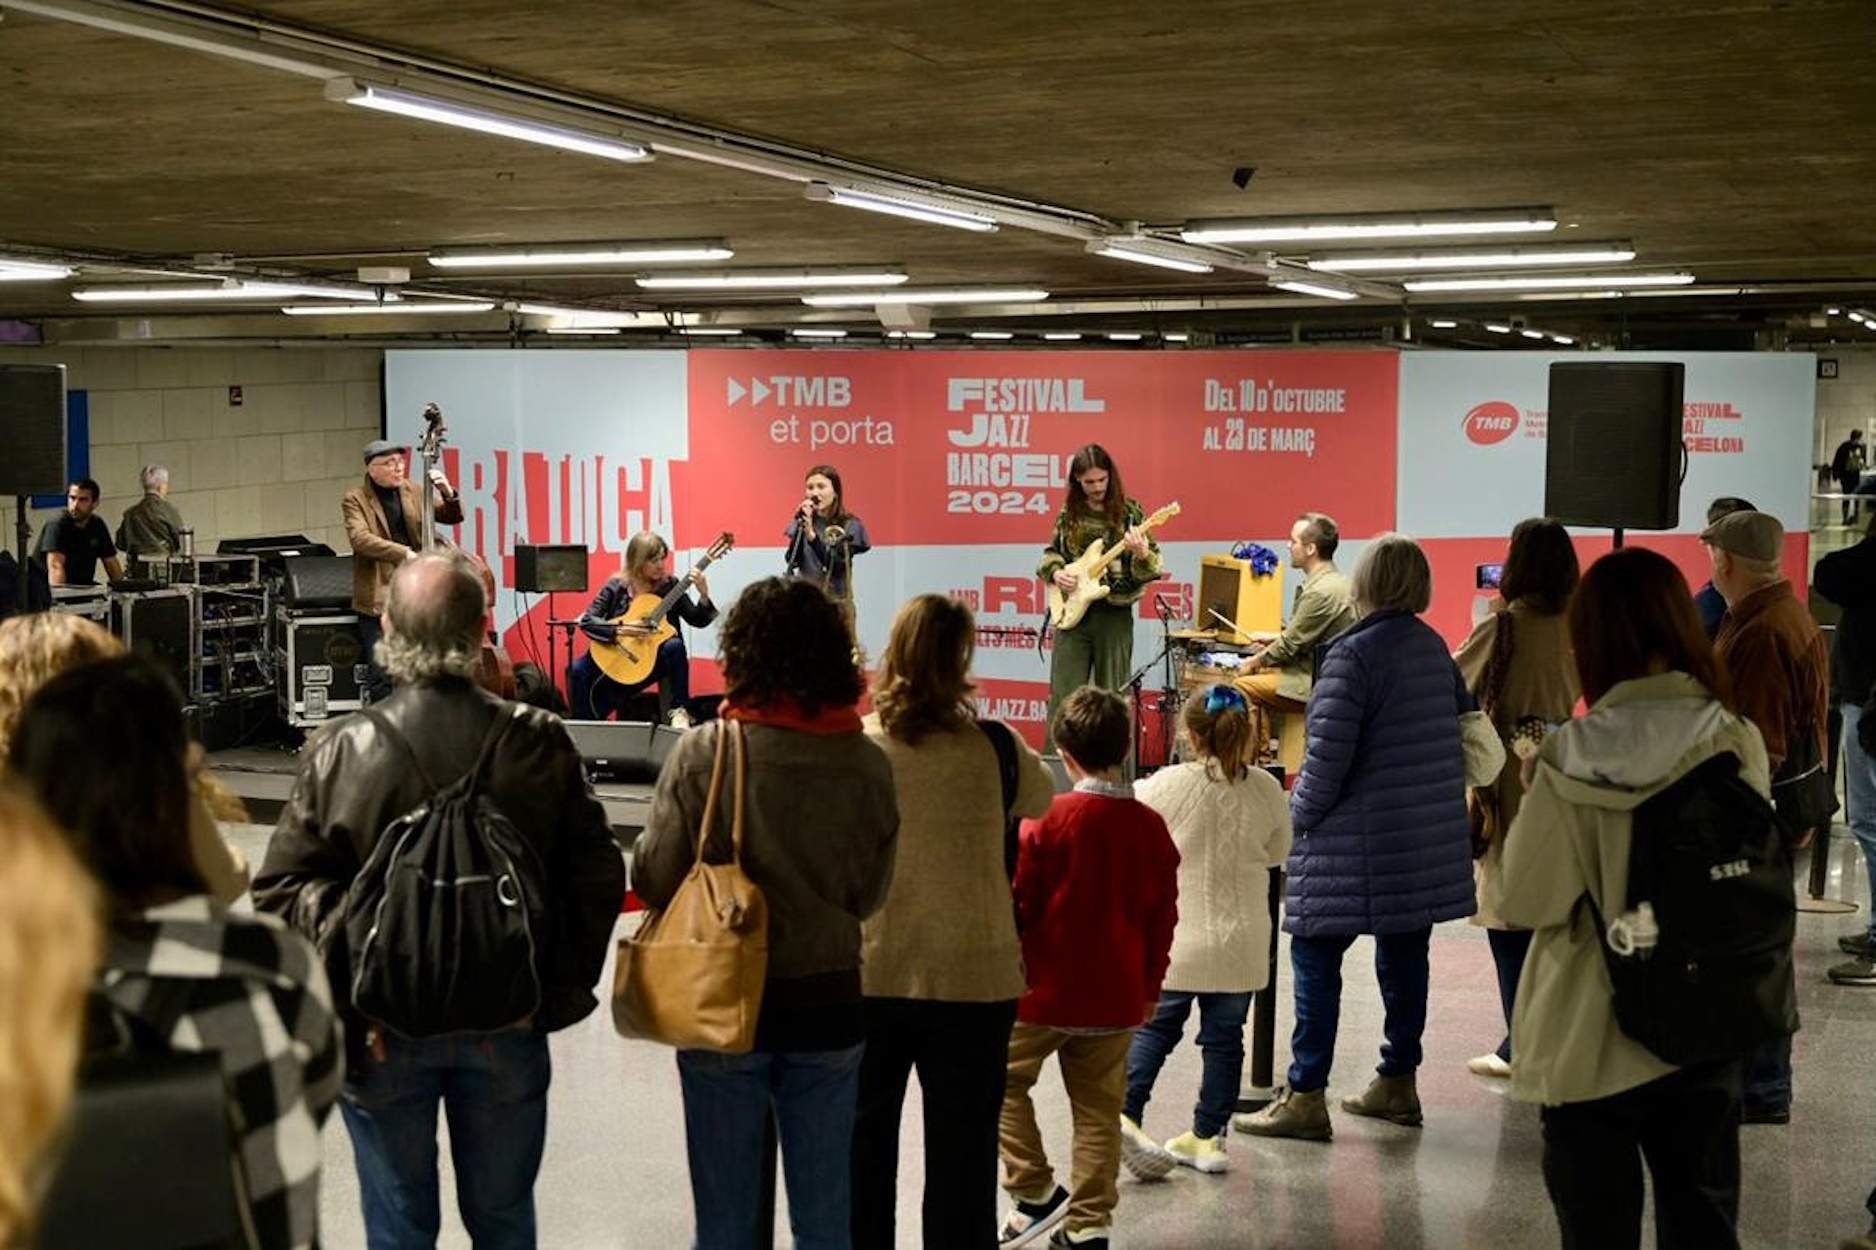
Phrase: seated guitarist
(645,571)
(1099,650)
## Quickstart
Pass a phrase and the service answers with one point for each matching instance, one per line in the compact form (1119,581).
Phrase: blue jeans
(595,696)
(493,1087)
(1221,1043)
(1509,947)
(728,1100)
(1859,787)
(1400,961)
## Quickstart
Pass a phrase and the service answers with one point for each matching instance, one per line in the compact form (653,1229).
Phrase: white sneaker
(1489,1064)
(1204,1154)
(679,719)
(1144,1157)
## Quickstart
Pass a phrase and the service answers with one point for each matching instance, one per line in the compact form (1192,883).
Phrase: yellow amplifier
(1227,587)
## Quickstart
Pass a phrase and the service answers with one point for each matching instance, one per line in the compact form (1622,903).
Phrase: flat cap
(1754,535)
(381,447)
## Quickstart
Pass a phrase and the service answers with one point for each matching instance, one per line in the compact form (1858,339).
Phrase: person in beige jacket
(1231,824)
(1658,709)
(1517,664)
(941,964)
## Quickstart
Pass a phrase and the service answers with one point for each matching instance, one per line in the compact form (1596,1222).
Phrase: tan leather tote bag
(691,976)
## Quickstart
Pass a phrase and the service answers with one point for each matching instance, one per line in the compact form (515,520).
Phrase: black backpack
(1707,857)
(441,922)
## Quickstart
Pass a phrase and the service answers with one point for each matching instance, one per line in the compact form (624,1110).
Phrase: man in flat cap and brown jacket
(384,522)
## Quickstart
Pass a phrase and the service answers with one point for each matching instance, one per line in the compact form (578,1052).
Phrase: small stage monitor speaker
(543,570)
(1615,456)
(317,582)
(32,412)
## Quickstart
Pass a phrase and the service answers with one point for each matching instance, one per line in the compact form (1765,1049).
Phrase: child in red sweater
(1096,887)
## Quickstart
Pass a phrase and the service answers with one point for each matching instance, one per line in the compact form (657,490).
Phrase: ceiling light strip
(928,295)
(482,120)
(1312,288)
(903,204)
(1549,282)
(415,308)
(1150,252)
(1478,258)
(770,279)
(677,251)
(1457,222)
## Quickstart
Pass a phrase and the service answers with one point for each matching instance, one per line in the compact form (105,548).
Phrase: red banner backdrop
(946,448)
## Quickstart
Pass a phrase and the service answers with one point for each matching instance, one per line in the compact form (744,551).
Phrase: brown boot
(1290,1114)
(1388,1098)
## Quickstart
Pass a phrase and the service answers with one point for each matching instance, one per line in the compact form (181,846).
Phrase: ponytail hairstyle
(1218,721)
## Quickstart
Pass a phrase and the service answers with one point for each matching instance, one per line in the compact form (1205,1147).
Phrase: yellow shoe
(1205,1154)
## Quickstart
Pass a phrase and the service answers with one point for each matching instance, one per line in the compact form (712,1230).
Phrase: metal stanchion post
(1818,879)
(1257,1095)
(765,1205)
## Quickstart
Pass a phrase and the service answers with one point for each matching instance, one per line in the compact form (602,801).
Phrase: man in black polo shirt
(74,541)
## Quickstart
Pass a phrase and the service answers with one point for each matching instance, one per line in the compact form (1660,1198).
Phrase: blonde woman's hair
(924,681)
(644,547)
(50,945)
(38,647)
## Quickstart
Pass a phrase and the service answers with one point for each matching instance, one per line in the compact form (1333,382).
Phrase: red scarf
(787,714)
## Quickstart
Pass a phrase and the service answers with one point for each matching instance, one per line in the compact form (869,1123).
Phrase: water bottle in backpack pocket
(1699,957)
(442,921)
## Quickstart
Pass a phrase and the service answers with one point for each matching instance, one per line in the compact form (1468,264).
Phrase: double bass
(495,672)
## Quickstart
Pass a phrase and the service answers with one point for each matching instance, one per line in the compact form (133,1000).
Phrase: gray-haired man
(153,526)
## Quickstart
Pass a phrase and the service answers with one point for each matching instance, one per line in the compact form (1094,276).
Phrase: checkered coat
(250,989)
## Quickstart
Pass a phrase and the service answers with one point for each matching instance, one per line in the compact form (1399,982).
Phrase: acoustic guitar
(643,628)
(1066,610)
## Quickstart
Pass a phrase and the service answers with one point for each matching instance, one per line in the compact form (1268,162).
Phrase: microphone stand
(1138,680)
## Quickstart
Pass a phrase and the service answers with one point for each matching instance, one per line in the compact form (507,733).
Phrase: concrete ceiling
(1733,139)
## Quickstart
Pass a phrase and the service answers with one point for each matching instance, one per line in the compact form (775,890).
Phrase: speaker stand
(1618,538)
(22,531)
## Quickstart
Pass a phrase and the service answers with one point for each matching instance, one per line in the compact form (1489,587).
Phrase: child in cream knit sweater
(1231,823)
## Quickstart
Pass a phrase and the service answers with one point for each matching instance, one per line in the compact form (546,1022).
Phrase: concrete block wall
(278,463)
(1847,401)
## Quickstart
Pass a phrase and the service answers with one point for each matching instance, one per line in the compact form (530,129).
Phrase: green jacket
(151,527)
(1571,838)
(1128,577)
(1323,611)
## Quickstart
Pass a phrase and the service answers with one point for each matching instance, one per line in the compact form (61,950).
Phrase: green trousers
(1097,652)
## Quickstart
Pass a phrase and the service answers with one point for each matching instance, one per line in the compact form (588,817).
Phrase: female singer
(1099,650)
(816,554)
(644,571)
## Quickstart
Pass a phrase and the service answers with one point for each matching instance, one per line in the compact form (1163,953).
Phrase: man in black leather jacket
(353,782)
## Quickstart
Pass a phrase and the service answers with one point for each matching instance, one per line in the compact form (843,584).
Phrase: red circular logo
(1493,421)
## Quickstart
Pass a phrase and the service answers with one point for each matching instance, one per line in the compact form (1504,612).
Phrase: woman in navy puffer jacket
(1382,843)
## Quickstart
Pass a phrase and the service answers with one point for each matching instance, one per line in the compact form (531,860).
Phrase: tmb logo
(789,390)
(1493,421)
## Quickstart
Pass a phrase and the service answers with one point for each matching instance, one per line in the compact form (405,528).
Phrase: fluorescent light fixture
(1548,282)
(819,334)
(677,251)
(1369,226)
(415,308)
(1311,288)
(709,332)
(234,291)
(1063,336)
(1856,316)
(1495,328)
(1532,334)
(1175,337)
(928,295)
(1475,257)
(31,271)
(583,330)
(1124,336)
(992,334)
(1828,312)
(1444,325)
(770,279)
(486,121)
(911,334)
(1149,252)
(903,204)
(1564,339)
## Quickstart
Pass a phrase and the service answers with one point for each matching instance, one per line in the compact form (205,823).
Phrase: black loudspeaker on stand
(1615,456)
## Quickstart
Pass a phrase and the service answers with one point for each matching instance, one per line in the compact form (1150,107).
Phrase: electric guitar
(643,628)
(1066,610)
